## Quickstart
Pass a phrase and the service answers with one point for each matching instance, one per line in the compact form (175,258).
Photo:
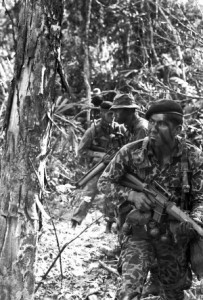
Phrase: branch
(152,40)
(185,26)
(62,75)
(111,270)
(189,294)
(11,19)
(41,208)
(177,39)
(50,118)
(62,249)
(43,194)
(171,90)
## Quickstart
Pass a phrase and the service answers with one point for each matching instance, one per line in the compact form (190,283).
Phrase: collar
(133,124)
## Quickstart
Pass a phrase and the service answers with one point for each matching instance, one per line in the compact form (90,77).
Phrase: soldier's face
(161,132)
(107,115)
(121,115)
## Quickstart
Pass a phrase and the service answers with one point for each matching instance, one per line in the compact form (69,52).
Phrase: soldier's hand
(140,200)
(185,229)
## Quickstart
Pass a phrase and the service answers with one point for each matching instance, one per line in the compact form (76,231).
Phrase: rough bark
(26,139)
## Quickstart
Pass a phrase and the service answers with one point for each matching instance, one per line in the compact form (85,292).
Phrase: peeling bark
(27,136)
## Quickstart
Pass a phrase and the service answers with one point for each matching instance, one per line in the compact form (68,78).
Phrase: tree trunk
(86,58)
(27,133)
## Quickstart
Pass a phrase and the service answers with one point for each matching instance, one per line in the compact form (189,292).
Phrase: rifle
(160,198)
(99,167)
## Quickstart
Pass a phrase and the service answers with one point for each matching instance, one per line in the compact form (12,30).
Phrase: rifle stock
(161,200)
(99,167)
(94,171)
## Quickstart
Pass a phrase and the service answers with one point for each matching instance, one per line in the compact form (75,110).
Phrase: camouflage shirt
(137,158)
(136,131)
(101,135)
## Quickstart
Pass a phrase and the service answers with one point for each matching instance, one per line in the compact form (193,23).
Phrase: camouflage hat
(106,105)
(124,101)
(164,107)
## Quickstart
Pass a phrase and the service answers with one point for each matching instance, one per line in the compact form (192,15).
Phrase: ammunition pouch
(131,221)
(138,221)
(121,213)
(139,232)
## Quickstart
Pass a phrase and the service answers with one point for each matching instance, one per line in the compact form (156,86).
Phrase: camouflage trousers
(137,257)
(87,196)
(86,200)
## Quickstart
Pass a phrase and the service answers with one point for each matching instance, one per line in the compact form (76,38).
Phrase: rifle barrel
(180,215)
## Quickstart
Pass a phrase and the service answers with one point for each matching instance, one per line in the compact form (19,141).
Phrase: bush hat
(124,101)
(164,107)
(106,105)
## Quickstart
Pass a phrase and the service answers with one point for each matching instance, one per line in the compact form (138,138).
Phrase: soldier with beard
(125,112)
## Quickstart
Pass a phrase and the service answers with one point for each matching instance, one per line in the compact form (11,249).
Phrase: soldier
(161,157)
(125,112)
(101,138)
(125,109)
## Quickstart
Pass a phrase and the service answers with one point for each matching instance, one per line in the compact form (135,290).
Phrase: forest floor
(85,272)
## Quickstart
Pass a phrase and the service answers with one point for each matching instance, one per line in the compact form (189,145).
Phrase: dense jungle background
(150,48)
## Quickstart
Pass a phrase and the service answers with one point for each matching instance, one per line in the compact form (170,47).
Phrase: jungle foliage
(151,48)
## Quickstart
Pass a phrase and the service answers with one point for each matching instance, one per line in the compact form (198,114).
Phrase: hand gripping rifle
(160,198)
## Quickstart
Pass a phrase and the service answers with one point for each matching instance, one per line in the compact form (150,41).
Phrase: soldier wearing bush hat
(103,135)
(124,101)
(125,112)
(167,159)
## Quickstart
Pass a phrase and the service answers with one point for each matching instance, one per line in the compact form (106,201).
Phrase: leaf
(178,81)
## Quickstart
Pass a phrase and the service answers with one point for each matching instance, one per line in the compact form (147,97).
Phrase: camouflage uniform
(136,131)
(100,136)
(139,248)
(136,127)
(105,136)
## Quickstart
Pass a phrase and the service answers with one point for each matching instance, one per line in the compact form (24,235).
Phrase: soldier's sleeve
(86,140)
(196,199)
(109,181)
(142,130)
(142,133)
